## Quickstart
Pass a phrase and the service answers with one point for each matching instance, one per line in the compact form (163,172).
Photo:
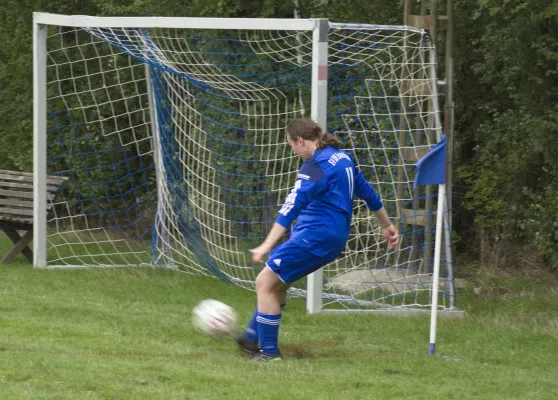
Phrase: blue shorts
(291,263)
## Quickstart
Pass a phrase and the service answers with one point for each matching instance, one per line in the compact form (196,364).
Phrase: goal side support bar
(39,144)
(319,115)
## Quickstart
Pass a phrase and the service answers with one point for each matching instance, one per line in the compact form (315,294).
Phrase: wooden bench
(16,208)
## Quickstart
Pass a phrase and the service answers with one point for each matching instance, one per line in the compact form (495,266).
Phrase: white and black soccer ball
(214,318)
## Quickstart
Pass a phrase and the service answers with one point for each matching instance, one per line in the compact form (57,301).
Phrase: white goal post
(170,134)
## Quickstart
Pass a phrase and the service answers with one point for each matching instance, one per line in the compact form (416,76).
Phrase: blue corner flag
(431,169)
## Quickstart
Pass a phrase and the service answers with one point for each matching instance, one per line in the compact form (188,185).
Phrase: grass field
(126,334)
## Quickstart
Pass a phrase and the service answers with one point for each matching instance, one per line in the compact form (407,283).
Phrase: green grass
(126,334)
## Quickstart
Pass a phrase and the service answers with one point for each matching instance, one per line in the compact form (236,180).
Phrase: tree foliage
(507,94)
(506,71)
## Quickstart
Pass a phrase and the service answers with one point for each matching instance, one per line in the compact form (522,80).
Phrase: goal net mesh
(173,145)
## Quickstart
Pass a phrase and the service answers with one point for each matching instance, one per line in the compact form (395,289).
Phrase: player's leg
(269,313)
(248,340)
(282,293)
(286,264)
(272,284)
(267,289)
(267,284)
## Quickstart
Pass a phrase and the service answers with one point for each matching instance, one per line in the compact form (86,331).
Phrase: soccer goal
(170,134)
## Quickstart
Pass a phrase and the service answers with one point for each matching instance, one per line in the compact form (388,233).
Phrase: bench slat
(17,208)
(17,203)
(17,212)
(24,185)
(10,172)
(58,178)
(53,180)
(19,224)
(25,195)
(22,212)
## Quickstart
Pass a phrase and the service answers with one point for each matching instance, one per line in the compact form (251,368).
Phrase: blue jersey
(322,201)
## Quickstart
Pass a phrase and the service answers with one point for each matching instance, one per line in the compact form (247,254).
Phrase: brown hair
(309,130)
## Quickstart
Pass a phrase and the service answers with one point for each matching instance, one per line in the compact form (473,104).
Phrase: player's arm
(275,234)
(363,190)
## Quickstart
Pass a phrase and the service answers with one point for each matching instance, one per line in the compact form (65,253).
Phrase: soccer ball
(213,318)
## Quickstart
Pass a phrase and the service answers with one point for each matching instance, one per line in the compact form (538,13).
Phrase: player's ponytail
(309,130)
(327,139)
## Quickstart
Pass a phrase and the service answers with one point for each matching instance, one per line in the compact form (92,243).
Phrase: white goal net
(171,136)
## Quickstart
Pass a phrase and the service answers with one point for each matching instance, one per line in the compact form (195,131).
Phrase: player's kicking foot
(263,356)
(246,345)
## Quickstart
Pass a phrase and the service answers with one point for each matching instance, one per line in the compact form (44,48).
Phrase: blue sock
(268,332)
(251,331)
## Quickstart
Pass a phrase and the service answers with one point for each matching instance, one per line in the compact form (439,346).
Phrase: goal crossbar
(86,21)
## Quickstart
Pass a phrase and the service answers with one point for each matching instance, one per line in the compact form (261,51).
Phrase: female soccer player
(322,204)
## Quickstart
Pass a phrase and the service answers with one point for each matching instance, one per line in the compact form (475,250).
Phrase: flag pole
(436,273)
